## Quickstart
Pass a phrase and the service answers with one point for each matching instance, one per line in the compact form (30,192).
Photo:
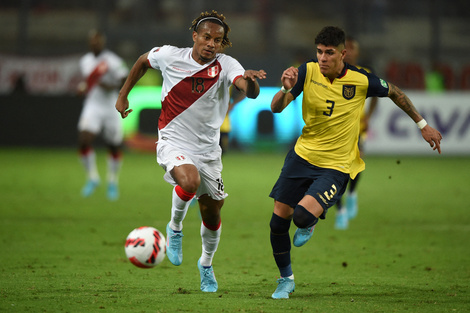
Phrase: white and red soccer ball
(145,247)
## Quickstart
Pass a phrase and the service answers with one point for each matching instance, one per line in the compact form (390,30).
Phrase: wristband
(284,90)
(421,124)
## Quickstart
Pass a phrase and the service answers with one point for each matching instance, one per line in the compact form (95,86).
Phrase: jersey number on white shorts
(220,186)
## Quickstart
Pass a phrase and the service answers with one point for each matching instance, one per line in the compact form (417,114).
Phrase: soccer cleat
(341,221)
(351,205)
(208,282)
(89,188)
(174,245)
(113,191)
(285,286)
(302,235)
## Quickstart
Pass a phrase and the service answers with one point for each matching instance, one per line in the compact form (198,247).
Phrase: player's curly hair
(216,18)
(331,36)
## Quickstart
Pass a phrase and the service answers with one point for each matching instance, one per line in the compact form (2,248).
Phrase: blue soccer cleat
(113,191)
(351,205)
(341,221)
(89,188)
(208,282)
(174,245)
(302,235)
(285,287)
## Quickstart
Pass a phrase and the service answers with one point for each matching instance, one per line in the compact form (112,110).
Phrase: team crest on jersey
(213,71)
(349,91)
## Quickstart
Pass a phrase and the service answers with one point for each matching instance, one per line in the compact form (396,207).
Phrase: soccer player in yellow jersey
(345,213)
(316,171)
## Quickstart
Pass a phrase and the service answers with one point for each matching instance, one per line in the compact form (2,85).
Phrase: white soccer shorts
(209,166)
(95,118)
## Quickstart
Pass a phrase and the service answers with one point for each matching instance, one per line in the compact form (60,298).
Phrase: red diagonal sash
(188,91)
(96,74)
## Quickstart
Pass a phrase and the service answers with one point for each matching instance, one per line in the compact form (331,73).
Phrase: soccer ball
(145,247)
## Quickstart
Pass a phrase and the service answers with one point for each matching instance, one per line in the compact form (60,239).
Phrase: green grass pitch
(408,250)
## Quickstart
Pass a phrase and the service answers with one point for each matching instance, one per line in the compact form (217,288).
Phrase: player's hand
(82,88)
(433,137)
(122,105)
(289,77)
(253,75)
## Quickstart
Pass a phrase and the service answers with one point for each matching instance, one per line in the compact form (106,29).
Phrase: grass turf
(406,251)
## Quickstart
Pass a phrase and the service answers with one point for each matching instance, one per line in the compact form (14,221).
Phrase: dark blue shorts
(299,178)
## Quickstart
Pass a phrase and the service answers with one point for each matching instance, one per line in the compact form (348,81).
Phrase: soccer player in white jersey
(195,98)
(104,73)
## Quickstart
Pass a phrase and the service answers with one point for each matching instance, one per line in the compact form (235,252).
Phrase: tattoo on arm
(403,102)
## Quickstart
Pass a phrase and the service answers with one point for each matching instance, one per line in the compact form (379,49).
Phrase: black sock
(339,204)
(353,183)
(280,242)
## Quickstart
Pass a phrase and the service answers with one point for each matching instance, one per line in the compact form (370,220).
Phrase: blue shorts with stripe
(299,178)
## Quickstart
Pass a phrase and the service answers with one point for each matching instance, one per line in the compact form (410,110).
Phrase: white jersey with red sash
(194,97)
(108,68)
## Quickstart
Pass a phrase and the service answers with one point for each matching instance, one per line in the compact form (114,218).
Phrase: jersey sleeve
(234,69)
(157,57)
(83,66)
(377,86)
(299,86)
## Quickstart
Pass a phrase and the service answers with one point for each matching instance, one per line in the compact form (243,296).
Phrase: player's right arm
(137,71)
(282,99)
(431,135)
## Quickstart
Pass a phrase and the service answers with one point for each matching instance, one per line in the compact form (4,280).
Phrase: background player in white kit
(104,73)
(195,97)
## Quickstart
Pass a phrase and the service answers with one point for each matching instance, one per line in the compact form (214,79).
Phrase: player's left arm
(248,82)
(431,135)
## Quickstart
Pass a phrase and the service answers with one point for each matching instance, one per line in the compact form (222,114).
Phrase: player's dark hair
(331,36)
(213,17)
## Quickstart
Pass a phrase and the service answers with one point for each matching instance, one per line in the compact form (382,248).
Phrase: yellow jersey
(331,111)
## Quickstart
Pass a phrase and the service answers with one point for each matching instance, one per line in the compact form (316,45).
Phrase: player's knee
(303,218)
(188,179)
(115,151)
(210,209)
(279,225)
(85,149)
(85,138)
(189,182)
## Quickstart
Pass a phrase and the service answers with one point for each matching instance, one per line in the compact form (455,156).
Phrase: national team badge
(213,71)
(349,91)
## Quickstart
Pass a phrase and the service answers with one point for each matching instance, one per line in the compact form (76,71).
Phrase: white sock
(179,208)
(89,162)
(114,165)
(290,277)
(210,242)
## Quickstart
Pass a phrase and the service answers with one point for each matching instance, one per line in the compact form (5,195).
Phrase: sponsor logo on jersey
(181,70)
(319,84)
(349,91)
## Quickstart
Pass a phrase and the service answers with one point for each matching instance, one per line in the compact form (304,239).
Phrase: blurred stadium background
(422,46)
